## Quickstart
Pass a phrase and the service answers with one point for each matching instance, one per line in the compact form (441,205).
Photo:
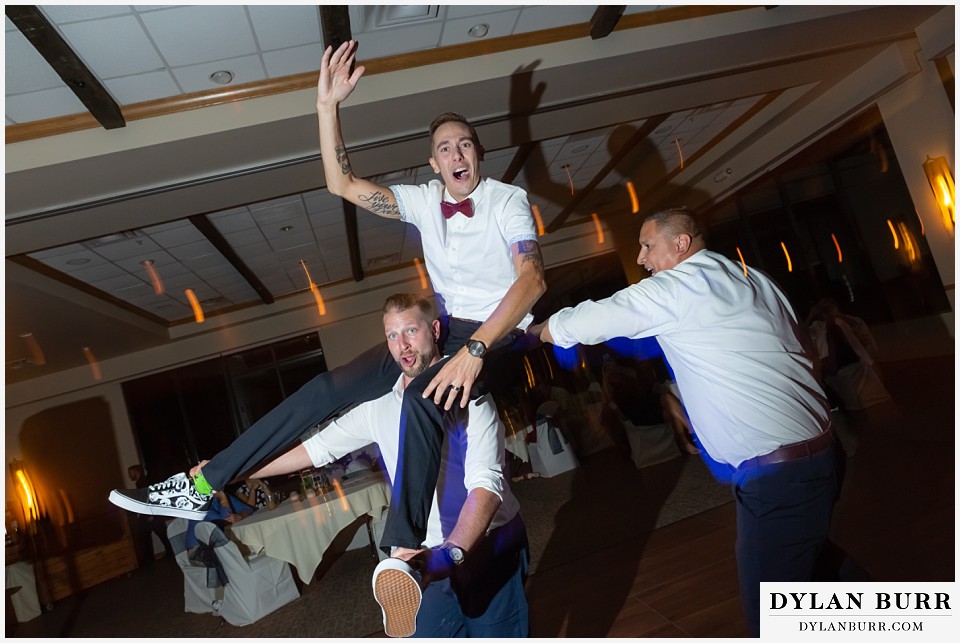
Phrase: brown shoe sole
(399,598)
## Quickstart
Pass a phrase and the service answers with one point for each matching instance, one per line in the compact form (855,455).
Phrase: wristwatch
(455,553)
(476,348)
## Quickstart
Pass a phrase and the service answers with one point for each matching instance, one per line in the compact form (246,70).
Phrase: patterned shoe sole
(136,506)
(399,598)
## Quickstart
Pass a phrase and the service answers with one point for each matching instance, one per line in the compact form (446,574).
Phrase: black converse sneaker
(175,497)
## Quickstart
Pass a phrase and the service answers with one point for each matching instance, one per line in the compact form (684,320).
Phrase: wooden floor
(895,517)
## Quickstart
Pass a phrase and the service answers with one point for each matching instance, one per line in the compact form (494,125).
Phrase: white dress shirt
(734,345)
(469,259)
(377,422)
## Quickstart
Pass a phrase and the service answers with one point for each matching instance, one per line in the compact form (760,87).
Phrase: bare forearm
(520,297)
(475,517)
(296,459)
(336,165)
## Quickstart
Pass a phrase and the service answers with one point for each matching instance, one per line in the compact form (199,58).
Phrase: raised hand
(336,81)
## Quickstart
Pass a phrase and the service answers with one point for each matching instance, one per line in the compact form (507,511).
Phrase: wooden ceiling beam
(207,229)
(50,44)
(335,23)
(604,19)
(353,239)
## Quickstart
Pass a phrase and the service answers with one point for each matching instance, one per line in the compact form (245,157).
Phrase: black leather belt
(792,451)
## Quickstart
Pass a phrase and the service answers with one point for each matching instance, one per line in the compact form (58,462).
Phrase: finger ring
(457,388)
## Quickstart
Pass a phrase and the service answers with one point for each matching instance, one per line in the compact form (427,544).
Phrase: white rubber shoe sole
(398,593)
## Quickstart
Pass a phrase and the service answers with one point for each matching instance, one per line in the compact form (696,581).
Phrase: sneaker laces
(171,482)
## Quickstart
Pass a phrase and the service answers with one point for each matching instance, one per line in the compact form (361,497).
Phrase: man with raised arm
(484,262)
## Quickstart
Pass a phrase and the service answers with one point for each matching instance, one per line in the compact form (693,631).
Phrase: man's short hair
(400,302)
(675,221)
(453,117)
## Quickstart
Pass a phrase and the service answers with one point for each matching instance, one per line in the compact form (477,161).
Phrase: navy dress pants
(783,522)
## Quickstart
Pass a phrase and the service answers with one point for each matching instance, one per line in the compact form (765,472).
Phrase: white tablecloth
(300,531)
(26,605)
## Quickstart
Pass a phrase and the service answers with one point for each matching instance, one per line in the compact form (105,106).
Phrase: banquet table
(300,531)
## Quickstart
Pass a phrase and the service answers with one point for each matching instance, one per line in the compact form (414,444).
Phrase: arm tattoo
(530,252)
(378,203)
(342,159)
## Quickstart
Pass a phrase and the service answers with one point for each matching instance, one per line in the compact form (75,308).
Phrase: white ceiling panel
(283,26)
(295,60)
(46,103)
(26,70)
(113,46)
(65,13)
(198,34)
(142,87)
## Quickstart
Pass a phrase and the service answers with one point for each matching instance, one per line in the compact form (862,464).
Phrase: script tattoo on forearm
(530,251)
(343,160)
(378,203)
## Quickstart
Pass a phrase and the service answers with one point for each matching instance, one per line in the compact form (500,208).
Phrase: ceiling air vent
(99,242)
(374,17)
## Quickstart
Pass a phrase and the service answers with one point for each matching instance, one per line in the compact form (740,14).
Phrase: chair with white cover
(649,444)
(197,597)
(256,586)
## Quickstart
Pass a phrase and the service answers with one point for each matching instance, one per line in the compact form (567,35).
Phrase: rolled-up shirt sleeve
(484,459)
(644,309)
(344,435)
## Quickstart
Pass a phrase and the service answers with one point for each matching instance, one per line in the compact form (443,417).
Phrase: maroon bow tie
(465,207)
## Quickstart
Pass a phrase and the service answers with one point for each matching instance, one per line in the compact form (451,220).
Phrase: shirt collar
(476,195)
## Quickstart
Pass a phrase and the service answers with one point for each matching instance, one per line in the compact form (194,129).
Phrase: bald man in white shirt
(748,385)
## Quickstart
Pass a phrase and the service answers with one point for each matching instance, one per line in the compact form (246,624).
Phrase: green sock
(201,485)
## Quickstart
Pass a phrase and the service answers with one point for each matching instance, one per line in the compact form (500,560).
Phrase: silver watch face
(475,348)
(456,554)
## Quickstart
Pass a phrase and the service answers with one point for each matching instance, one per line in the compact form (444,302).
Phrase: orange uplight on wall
(634,201)
(909,246)
(787,255)
(536,215)
(318,299)
(941,182)
(893,231)
(154,276)
(596,222)
(344,503)
(25,491)
(195,305)
(742,262)
(837,246)
(314,290)
(94,364)
(37,356)
(420,271)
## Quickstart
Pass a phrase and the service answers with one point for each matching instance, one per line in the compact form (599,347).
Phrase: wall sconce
(941,182)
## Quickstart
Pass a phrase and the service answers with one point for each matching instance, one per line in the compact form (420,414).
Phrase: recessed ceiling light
(77,262)
(286,228)
(479,30)
(580,148)
(222,77)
